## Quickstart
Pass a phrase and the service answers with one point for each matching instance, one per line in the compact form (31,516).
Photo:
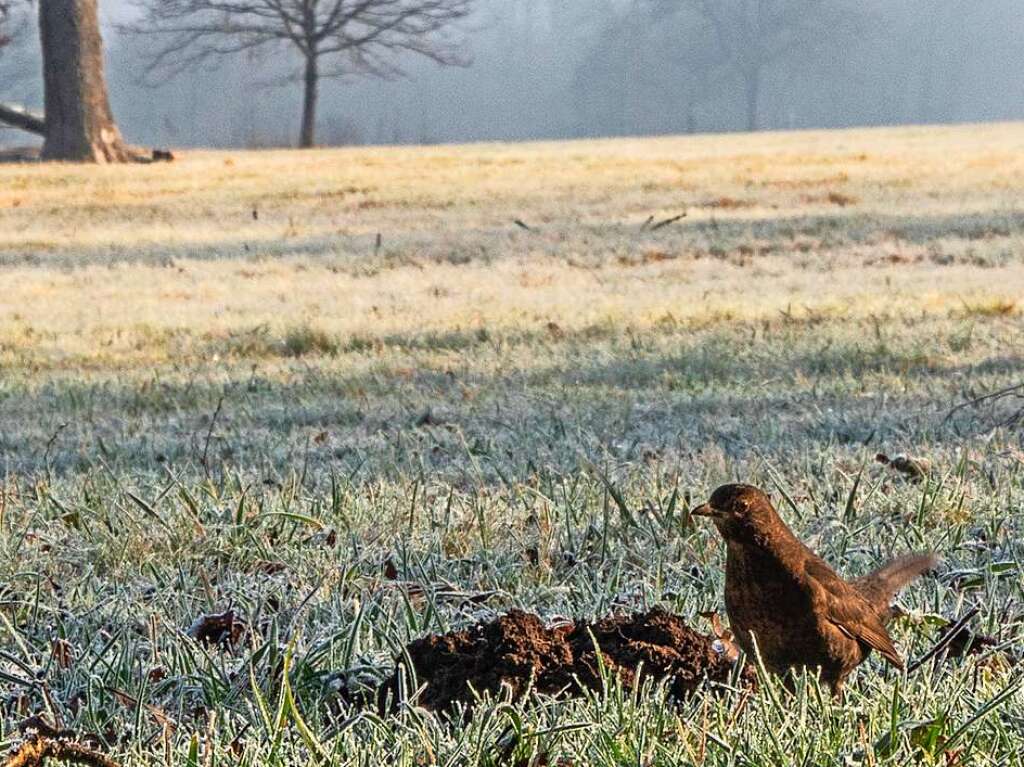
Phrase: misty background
(549,69)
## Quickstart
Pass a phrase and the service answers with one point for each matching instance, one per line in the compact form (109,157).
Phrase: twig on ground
(668,221)
(1016,389)
(49,446)
(946,640)
(209,434)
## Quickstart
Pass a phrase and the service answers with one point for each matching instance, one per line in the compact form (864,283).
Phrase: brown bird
(781,595)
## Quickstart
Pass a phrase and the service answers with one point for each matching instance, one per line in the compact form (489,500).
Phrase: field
(362,396)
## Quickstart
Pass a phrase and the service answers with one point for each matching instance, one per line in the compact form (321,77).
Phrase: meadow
(361,396)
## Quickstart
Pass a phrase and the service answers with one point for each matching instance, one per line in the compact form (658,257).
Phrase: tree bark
(752,78)
(307,138)
(79,123)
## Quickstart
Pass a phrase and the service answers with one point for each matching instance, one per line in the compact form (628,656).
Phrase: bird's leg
(837,690)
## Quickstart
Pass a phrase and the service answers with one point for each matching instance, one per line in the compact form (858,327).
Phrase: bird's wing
(849,611)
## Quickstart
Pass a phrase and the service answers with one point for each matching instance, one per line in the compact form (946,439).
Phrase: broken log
(23,120)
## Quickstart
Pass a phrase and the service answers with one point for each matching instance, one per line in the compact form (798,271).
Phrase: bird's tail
(881,586)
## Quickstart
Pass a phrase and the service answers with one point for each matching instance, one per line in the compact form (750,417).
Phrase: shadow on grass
(798,391)
(359,254)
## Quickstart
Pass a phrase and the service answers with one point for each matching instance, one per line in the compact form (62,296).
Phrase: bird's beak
(704,510)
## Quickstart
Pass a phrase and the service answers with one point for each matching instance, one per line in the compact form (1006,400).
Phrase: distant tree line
(541,68)
(750,64)
(720,47)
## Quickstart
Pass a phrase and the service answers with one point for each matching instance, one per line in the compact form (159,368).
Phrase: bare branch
(332,38)
(8,24)
(5,13)
(756,33)
(360,37)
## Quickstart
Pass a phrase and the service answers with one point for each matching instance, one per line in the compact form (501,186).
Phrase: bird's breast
(769,598)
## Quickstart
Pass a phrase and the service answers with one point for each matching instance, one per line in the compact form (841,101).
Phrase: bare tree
(333,38)
(650,59)
(755,35)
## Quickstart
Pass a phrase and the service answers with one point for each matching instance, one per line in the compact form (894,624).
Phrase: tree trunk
(312,85)
(79,123)
(753,82)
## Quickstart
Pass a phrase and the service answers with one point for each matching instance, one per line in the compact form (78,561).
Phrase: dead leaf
(223,629)
(63,653)
(156,674)
(131,703)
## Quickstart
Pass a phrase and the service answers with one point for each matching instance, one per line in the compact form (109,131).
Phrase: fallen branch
(23,120)
(36,750)
(1016,389)
(946,640)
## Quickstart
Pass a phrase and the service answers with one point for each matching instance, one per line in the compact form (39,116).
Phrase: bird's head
(740,512)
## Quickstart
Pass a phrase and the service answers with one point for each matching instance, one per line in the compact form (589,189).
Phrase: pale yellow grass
(103,300)
(119,314)
(206,198)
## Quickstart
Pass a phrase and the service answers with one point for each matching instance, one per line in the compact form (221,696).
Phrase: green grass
(153,505)
(523,419)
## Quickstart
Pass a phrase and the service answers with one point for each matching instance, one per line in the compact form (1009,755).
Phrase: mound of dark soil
(518,650)
(662,642)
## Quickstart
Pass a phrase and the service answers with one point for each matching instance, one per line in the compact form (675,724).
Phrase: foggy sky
(573,68)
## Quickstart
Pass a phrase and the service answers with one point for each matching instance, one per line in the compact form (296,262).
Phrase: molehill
(518,649)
